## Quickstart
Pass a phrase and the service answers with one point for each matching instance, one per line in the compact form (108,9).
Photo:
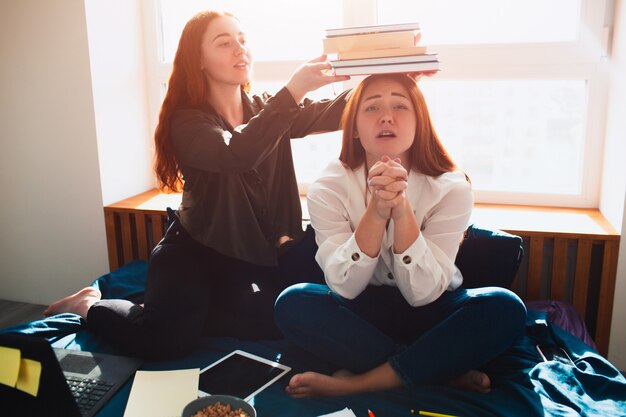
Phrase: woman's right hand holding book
(312,75)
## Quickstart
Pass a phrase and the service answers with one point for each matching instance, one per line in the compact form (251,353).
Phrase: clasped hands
(387,182)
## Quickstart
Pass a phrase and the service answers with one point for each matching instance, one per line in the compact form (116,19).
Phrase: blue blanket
(523,384)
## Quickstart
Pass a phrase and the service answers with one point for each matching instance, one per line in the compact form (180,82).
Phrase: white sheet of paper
(346,412)
(162,393)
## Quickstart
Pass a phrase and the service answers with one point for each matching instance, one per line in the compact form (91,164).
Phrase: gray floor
(12,313)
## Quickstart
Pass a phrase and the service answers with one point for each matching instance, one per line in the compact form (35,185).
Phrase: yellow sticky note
(28,379)
(9,365)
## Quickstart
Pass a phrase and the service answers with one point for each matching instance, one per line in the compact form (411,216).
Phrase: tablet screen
(240,374)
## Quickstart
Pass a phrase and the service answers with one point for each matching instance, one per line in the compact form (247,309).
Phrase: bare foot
(312,384)
(474,381)
(342,382)
(77,303)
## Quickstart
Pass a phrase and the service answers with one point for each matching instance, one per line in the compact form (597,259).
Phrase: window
(519,104)
(457,22)
(270,34)
(504,143)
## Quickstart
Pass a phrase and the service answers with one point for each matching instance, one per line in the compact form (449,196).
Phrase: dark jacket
(240,192)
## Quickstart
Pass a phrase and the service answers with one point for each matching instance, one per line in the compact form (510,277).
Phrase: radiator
(132,235)
(575,269)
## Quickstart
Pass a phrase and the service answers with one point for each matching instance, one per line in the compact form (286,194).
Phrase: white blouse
(442,206)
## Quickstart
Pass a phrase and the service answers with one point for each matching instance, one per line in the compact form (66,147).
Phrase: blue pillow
(489,257)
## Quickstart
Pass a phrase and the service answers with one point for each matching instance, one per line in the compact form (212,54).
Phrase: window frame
(585,58)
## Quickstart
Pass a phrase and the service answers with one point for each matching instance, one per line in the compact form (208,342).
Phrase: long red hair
(427,154)
(187,87)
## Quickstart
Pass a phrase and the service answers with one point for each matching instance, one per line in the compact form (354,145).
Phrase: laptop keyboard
(87,392)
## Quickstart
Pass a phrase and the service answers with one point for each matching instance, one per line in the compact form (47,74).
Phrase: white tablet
(241,374)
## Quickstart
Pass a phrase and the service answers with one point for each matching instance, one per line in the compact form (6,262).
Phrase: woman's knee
(292,297)
(501,302)
(296,302)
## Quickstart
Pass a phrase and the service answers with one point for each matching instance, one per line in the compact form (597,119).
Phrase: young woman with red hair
(223,259)
(389,218)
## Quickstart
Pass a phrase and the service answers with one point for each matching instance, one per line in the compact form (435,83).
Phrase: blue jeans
(461,330)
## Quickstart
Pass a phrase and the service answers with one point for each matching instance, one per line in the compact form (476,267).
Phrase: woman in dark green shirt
(224,258)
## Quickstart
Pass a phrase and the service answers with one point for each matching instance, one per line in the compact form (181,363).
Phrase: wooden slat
(142,236)
(127,243)
(581,277)
(607,292)
(559,270)
(151,200)
(157,229)
(112,239)
(535,261)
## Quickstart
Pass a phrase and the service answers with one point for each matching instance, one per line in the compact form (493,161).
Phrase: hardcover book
(384,60)
(388,68)
(379,53)
(356,30)
(368,42)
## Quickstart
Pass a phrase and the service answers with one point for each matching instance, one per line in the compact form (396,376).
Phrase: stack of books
(378,49)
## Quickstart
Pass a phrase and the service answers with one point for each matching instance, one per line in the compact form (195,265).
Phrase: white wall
(125,145)
(614,182)
(52,238)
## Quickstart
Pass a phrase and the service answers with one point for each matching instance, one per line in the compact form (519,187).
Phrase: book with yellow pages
(369,41)
(380,53)
(388,68)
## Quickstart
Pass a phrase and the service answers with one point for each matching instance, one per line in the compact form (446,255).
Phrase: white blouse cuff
(412,254)
(355,255)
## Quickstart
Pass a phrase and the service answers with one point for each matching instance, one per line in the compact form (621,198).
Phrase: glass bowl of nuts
(219,406)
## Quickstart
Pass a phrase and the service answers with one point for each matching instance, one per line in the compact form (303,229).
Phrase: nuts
(220,410)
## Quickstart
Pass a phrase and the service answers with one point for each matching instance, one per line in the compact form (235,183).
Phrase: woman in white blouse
(389,218)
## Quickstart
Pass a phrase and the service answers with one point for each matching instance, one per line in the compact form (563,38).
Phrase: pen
(430,414)
(370,413)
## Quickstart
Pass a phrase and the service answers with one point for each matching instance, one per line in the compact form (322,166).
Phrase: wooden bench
(570,254)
